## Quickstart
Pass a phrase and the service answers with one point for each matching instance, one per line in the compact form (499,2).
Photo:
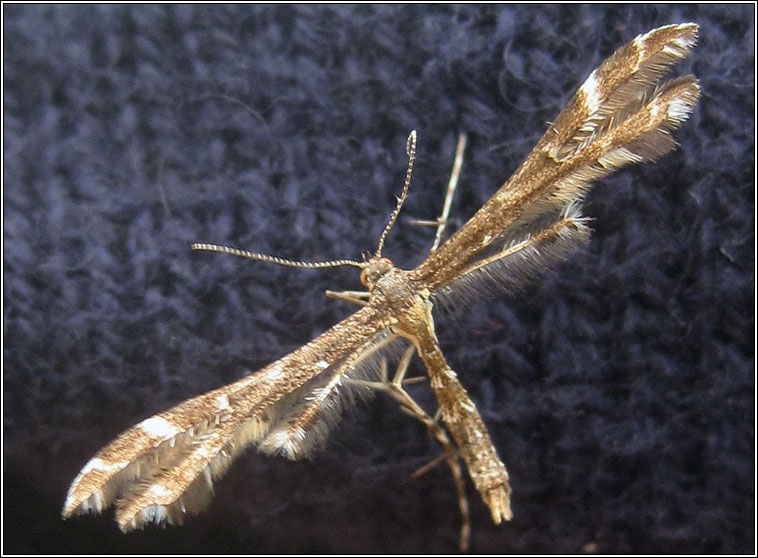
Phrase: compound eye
(364,278)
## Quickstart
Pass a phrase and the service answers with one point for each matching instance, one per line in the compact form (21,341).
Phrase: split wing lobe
(620,115)
(162,468)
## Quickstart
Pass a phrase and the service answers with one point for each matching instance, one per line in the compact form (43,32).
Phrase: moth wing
(517,259)
(620,115)
(162,469)
(302,421)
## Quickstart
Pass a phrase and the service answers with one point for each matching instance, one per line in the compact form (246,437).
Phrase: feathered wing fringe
(293,426)
(519,260)
(618,119)
(168,473)
(609,93)
(303,422)
(632,123)
(618,116)
(163,467)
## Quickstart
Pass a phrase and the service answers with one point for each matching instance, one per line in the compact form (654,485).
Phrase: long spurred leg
(442,221)
(408,405)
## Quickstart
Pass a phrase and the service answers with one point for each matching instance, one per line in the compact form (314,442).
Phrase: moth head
(373,270)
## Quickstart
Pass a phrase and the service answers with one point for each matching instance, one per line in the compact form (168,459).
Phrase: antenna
(410,149)
(274,259)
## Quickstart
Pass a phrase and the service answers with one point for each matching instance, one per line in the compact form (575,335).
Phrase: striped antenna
(410,149)
(274,259)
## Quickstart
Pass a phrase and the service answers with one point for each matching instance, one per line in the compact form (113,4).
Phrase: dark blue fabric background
(619,390)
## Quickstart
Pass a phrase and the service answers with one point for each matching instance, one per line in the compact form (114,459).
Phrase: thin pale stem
(451,186)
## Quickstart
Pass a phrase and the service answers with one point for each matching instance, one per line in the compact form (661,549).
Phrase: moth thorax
(374,270)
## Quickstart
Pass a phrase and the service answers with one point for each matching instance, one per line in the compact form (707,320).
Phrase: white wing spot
(639,43)
(203,452)
(678,110)
(97,464)
(285,442)
(684,43)
(322,364)
(276,373)
(94,503)
(592,98)
(468,407)
(158,427)
(155,513)
(158,491)
(92,464)
(222,402)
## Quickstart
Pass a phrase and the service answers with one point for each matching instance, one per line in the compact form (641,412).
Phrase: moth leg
(450,454)
(442,221)
(428,467)
(359,298)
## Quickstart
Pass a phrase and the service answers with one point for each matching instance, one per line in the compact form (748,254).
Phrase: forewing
(619,115)
(163,467)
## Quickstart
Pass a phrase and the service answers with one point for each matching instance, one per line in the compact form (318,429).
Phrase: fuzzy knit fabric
(619,390)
